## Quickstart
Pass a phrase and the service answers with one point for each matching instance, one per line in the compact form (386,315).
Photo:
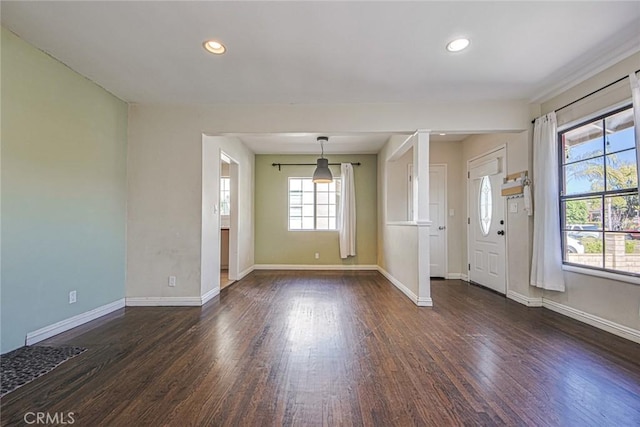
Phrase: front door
(486,222)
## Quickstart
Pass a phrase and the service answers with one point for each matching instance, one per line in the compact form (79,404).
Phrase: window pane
(621,170)
(620,131)
(307,198)
(485,205)
(322,187)
(332,223)
(307,184)
(307,223)
(332,210)
(307,210)
(322,198)
(322,210)
(322,223)
(584,177)
(621,253)
(295,211)
(585,251)
(295,184)
(583,142)
(621,212)
(582,214)
(295,223)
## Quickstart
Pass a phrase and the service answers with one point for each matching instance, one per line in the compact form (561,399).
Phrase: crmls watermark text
(44,418)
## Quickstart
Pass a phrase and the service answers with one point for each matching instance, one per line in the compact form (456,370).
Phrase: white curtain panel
(635,95)
(347,223)
(546,263)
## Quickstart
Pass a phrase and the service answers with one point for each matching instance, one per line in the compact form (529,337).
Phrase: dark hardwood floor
(339,348)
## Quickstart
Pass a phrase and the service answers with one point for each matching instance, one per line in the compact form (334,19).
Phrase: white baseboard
(457,276)
(243,273)
(522,299)
(315,267)
(209,295)
(72,322)
(424,302)
(590,319)
(398,284)
(164,301)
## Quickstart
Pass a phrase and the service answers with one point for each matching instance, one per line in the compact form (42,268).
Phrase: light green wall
(274,244)
(63,192)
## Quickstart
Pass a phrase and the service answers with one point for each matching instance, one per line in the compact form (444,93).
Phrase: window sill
(603,274)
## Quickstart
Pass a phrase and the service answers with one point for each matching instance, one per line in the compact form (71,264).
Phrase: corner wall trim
(314,267)
(595,321)
(243,273)
(72,322)
(398,284)
(208,296)
(424,302)
(164,301)
(522,299)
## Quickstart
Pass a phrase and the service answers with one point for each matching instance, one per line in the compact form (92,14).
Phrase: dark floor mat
(23,365)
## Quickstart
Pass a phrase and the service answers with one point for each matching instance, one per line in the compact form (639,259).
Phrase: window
(225,195)
(485,205)
(313,206)
(599,194)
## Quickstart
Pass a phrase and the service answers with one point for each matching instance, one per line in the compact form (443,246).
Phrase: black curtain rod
(589,94)
(279,165)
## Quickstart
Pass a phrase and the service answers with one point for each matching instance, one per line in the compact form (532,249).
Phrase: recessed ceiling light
(442,134)
(214,47)
(457,45)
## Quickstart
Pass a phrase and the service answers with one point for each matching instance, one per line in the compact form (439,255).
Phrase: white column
(421,214)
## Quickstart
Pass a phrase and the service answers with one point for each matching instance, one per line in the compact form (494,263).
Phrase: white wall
(519,225)
(398,187)
(165,169)
(397,244)
(165,202)
(210,245)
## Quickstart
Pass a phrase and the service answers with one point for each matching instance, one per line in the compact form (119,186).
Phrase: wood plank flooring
(224,279)
(339,348)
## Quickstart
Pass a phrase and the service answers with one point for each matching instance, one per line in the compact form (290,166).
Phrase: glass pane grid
(601,231)
(313,207)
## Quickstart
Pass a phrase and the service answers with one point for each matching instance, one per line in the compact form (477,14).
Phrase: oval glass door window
(485,205)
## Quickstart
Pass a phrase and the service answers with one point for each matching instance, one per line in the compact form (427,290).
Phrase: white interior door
(437,212)
(486,223)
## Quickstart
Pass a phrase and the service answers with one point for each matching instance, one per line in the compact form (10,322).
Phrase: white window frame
(315,205)
(603,272)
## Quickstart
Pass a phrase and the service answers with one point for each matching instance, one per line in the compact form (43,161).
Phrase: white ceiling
(328,52)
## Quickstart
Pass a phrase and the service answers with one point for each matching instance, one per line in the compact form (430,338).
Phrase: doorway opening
(228,220)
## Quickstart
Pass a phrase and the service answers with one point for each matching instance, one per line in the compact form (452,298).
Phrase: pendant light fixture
(322,175)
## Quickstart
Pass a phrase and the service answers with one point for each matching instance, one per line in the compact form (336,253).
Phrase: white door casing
(437,213)
(487,221)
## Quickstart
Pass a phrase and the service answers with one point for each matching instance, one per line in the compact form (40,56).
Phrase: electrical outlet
(72,297)
(317,255)
(172,281)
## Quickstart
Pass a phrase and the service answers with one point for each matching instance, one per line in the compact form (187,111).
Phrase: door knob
(442,227)
(501,232)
